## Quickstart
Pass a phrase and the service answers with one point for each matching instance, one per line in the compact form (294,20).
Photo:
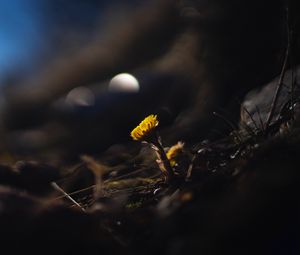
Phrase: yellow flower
(145,128)
(174,151)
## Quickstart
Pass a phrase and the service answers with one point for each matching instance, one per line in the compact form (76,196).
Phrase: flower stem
(163,161)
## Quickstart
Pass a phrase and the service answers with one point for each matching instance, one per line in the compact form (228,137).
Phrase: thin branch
(280,81)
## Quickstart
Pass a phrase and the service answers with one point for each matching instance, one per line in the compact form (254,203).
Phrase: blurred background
(77,76)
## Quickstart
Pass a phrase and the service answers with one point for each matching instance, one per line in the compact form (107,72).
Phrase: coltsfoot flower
(174,152)
(145,132)
(145,128)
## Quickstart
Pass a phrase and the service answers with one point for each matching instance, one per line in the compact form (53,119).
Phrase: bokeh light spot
(124,82)
(80,96)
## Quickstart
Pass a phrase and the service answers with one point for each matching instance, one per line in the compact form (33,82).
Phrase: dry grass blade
(230,124)
(56,187)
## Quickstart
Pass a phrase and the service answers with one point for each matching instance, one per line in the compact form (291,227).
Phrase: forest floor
(238,194)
